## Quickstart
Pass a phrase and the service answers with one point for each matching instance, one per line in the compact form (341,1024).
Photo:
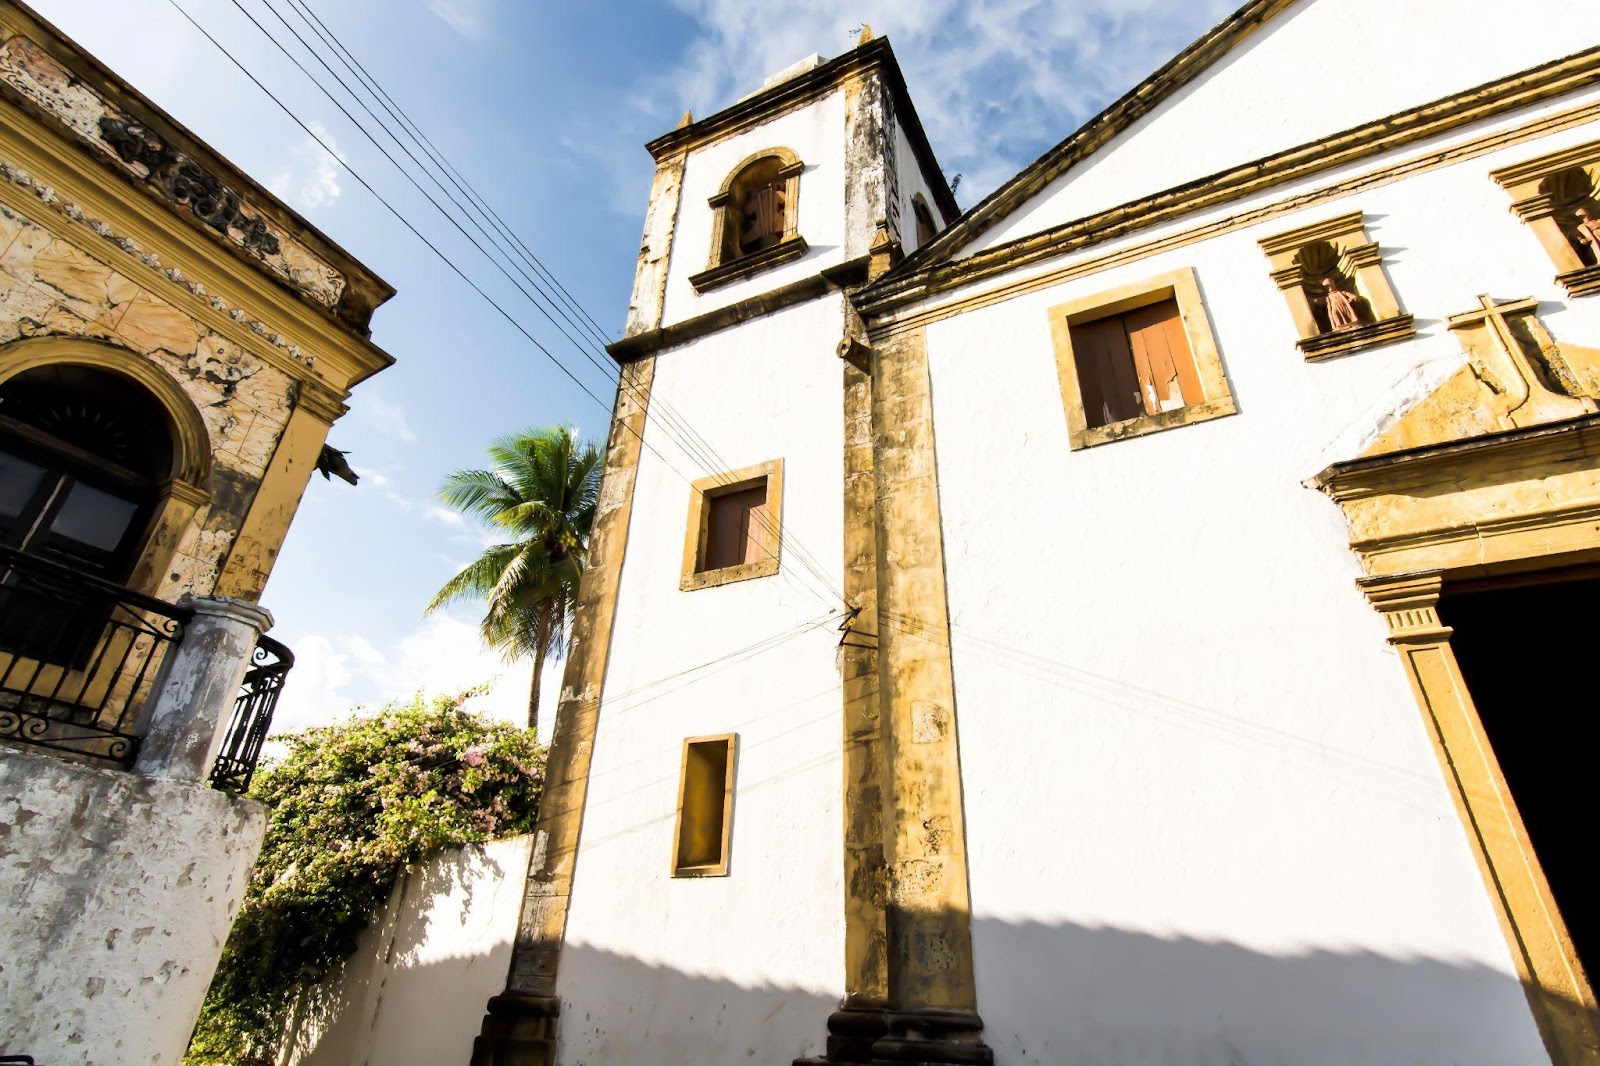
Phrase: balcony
(81,661)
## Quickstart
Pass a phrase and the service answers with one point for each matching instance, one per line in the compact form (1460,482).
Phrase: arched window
(83,455)
(925,224)
(755,224)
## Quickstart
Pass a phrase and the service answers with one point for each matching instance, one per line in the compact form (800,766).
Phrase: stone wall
(137,882)
(51,287)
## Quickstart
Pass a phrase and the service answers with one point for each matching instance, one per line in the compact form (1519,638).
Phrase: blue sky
(545,107)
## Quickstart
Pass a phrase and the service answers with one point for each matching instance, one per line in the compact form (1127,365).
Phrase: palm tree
(540,494)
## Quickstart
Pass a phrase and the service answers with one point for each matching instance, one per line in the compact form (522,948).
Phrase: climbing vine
(351,806)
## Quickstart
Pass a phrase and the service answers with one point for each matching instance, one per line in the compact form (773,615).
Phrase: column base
(875,1037)
(518,1030)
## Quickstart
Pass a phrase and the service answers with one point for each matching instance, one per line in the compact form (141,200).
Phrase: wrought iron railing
(78,657)
(252,716)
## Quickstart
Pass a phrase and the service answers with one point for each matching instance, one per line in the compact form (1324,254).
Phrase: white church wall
(1204,819)
(814,133)
(413,992)
(745,967)
(1318,68)
(118,892)
(912,184)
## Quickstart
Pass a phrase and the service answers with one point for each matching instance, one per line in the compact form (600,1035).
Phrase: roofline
(876,54)
(359,277)
(1093,134)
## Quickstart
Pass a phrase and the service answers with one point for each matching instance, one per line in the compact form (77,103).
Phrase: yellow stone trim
(1558,992)
(547,892)
(1179,285)
(930,939)
(899,313)
(718,869)
(694,541)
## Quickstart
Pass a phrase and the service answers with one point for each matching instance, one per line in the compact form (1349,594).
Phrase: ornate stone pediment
(1515,376)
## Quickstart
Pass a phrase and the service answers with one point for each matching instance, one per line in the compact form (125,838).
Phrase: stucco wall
(1318,68)
(413,992)
(719,969)
(1205,821)
(816,135)
(119,891)
(50,287)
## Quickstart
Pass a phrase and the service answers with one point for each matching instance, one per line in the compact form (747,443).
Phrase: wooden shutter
(1105,372)
(763,218)
(736,528)
(1161,358)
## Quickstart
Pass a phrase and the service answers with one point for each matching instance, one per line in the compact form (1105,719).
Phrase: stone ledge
(1581,282)
(1345,341)
(785,251)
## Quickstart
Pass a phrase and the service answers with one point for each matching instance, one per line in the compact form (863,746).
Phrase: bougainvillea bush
(351,806)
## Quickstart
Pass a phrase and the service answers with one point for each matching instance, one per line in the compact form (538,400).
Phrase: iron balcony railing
(252,716)
(79,657)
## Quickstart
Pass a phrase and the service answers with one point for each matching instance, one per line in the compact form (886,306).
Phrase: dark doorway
(1525,652)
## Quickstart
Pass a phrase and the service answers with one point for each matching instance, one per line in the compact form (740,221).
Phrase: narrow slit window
(1135,363)
(705,807)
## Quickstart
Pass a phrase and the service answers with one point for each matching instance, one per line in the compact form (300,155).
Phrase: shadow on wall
(1062,994)
(1049,994)
(416,986)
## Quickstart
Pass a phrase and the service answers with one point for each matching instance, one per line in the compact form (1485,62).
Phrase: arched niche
(757,207)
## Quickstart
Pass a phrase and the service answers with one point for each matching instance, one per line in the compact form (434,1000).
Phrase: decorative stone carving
(1332,277)
(185,182)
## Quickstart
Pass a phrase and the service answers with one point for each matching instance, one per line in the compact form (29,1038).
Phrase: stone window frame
(701,492)
(717,869)
(1359,260)
(724,271)
(1535,201)
(1181,286)
(182,495)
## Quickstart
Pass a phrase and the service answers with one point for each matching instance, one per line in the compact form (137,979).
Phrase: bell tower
(703,889)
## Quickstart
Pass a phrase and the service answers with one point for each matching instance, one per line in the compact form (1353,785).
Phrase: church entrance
(1525,653)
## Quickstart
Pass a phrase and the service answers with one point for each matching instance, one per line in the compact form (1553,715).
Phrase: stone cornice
(1415,468)
(842,276)
(133,234)
(363,290)
(874,56)
(920,277)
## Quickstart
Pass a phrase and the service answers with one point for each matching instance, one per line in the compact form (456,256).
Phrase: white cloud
(388,417)
(443,654)
(312,181)
(445,515)
(992,80)
(470,18)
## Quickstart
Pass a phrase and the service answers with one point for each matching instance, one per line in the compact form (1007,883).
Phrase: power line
(693,444)
(831,593)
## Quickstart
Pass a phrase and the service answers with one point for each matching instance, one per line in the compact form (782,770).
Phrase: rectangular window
(1137,359)
(1136,363)
(705,807)
(735,521)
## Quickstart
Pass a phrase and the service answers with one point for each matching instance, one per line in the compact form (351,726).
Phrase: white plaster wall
(413,992)
(118,892)
(1320,67)
(1205,822)
(816,135)
(912,182)
(745,967)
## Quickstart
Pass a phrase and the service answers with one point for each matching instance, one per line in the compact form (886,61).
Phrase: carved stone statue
(1343,311)
(1588,232)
